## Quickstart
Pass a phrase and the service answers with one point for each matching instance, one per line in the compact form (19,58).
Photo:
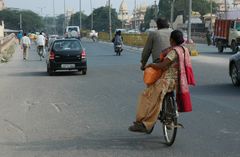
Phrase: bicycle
(168,117)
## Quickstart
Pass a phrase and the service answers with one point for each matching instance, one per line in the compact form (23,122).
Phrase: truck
(227,34)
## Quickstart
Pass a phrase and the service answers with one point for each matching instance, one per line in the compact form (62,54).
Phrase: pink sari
(186,77)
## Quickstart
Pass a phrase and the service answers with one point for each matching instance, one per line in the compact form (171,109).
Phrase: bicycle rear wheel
(169,119)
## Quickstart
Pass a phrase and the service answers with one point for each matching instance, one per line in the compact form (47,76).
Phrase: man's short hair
(162,23)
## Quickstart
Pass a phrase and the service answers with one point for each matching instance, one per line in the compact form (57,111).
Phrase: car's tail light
(52,55)
(83,54)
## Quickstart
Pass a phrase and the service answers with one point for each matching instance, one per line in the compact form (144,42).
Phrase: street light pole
(110,20)
(20,23)
(211,16)
(64,14)
(54,20)
(172,12)
(91,15)
(189,20)
(80,14)
(135,15)
(225,9)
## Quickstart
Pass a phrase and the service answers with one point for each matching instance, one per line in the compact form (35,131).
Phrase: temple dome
(123,6)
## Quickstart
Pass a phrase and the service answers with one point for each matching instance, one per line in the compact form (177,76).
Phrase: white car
(72,32)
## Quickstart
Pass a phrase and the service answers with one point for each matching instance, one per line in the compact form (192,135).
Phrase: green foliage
(75,20)
(50,25)
(60,24)
(148,17)
(30,20)
(181,7)
(101,20)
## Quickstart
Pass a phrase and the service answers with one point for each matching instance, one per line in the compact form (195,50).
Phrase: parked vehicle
(72,32)
(227,34)
(66,54)
(234,69)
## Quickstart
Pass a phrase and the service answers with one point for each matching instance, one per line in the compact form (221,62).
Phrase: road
(70,114)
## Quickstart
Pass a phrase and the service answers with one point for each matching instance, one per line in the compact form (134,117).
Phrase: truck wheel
(220,47)
(234,47)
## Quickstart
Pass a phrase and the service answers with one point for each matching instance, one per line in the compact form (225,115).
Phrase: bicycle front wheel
(169,121)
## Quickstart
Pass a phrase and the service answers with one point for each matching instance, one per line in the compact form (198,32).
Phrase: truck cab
(227,34)
(234,35)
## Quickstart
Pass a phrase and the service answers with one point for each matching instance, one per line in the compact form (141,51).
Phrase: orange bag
(151,75)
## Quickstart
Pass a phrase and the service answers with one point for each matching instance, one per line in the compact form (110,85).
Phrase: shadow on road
(44,74)
(217,90)
(142,143)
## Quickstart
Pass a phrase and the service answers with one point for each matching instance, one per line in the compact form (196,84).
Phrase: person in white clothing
(25,45)
(40,45)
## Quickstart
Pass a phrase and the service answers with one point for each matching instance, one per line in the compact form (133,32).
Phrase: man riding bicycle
(40,45)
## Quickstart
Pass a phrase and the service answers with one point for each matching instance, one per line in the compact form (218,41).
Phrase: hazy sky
(45,7)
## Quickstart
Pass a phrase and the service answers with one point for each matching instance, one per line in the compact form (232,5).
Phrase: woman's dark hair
(162,23)
(177,36)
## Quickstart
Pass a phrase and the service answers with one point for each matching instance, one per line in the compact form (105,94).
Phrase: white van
(72,32)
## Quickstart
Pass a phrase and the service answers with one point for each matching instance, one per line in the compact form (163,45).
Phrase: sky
(45,7)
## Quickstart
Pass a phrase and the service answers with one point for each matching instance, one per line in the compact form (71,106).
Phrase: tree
(148,17)
(201,6)
(100,19)
(75,20)
(30,20)
(60,24)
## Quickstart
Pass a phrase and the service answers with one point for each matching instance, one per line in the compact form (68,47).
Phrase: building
(2,6)
(123,14)
(134,20)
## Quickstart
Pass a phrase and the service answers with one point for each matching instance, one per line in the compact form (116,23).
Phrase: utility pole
(189,20)
(172,12)
(20,23)
(155,9)
(64,14)
(54,19)
(211,16)
(225,8)
(91,15)
(80,14)
(135,16)
(110,20)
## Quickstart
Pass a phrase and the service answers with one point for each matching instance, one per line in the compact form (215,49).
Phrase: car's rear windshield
(67,45)
(70,29)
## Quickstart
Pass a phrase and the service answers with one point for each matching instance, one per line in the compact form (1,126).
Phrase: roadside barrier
(138,40)
(192,47)
(6,42)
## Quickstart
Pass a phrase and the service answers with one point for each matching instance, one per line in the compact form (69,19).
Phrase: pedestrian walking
(19,36)
(25,46)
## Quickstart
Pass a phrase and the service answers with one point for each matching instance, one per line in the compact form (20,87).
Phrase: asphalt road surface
(74,115)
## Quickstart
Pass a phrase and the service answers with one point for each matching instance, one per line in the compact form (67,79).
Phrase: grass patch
(7,54)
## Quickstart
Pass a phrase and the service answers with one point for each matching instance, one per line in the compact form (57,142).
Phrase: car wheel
(84,71)
(50,71)
(234,75)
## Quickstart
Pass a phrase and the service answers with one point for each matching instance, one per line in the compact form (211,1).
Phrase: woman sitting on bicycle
(177,75)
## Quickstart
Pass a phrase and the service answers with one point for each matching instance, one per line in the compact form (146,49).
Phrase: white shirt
(26,40)
(40,40)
